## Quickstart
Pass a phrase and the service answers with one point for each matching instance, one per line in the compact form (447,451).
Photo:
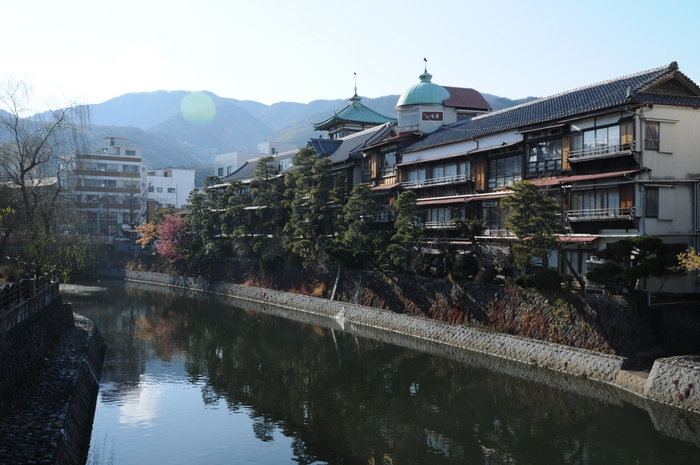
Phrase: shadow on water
(352,394)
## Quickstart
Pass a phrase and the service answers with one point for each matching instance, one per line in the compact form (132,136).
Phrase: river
(191,379)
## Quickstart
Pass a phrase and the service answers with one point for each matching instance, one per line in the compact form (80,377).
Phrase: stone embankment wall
(28,332)
(606,324)
(51,361)
(575,361)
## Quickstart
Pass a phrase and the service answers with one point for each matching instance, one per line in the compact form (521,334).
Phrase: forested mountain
(154,120)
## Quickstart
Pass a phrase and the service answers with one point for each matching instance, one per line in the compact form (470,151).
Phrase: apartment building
(110,185)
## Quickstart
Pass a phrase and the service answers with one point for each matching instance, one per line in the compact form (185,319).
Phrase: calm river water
(192,380)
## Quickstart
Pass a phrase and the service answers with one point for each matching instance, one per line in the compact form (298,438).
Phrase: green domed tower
(426,106)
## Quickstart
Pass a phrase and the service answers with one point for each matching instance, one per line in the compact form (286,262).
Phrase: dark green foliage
(546,279)
(628,261)
(408,230)
(533,218)
(308,193)
(464,266)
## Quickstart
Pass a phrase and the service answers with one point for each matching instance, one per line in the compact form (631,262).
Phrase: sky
(299,51)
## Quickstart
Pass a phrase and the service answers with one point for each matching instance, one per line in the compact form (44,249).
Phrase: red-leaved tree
(173,239)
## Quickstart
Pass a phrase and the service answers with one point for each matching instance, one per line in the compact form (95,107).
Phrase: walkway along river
(189,379)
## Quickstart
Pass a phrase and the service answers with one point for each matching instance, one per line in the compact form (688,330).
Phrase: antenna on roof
(355,82)
(426,64)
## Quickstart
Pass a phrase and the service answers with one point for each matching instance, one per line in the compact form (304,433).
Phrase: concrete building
(110,186)
(170,187)
(228,163)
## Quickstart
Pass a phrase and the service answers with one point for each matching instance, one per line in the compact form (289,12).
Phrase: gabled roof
(463,97)
(352,145)
(665,85)
(355,112)
(324,147)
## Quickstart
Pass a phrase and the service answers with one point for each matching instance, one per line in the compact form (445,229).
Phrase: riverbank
(51,418)
(672,381)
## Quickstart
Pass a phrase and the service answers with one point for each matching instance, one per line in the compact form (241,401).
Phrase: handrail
(600,213)
(602,151)
(437,181)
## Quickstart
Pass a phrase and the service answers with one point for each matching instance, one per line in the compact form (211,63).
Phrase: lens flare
(198,108)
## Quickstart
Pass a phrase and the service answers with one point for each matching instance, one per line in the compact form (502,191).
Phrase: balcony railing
(592,214)
(601,151)
(388,171)
(439,225)
(409,128)
(437,181)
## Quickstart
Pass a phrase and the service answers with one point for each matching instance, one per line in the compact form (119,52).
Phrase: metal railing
(409,128)
(601,151)
(439,225)
(601,214)
(437,181)
(387,170)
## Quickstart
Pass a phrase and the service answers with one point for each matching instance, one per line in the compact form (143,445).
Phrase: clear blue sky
(299,51)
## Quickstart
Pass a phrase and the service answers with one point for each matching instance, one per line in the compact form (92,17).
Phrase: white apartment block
(170,187)
(109,185)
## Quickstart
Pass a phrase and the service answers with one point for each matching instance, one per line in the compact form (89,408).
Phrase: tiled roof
(355,112)
(353,144)
(425,92)
(462,97)
(324,147)
(627,90)
(247,170)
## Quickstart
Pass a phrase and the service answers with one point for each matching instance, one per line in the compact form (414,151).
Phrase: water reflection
(193,371)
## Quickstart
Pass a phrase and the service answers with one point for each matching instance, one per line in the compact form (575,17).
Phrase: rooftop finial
(355,82)
(426,64)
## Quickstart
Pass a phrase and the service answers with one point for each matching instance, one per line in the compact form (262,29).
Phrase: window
(100,183)
(492,215)
(130,152)
(220,172)
(159,189)
(130,168)
(229,170)
(651,135)
(416,175)
(285,164)
(151,189)
(107,167)
(408,119)
(505,172)
(388,164)
(600,141)
(171,190)
(545,156)
(602,203)
(651,202)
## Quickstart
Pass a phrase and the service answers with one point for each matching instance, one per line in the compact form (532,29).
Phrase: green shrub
(546,279)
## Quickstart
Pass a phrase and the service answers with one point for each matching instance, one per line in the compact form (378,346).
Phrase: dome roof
(425,93)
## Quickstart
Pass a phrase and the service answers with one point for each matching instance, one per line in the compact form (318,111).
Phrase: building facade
(110,186)
(622,157)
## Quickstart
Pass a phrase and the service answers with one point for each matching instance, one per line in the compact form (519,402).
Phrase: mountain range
(154,120)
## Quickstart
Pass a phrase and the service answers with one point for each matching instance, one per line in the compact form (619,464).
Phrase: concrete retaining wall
(580,362)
